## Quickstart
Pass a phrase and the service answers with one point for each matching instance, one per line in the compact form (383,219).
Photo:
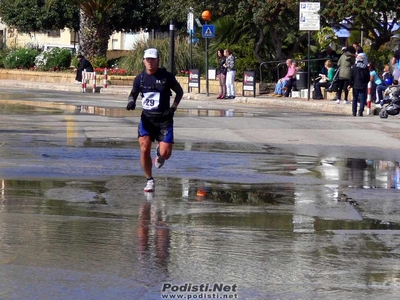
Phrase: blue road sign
(208,31)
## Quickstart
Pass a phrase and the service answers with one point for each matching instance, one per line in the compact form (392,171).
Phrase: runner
(154,85)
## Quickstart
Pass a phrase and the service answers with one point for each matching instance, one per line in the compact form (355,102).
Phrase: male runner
(156,123)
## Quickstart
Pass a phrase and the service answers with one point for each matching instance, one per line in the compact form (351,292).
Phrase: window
(54,33)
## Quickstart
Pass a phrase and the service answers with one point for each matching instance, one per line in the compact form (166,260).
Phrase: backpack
(388,78)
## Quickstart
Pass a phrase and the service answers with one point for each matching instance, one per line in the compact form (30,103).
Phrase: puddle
(109,230)
(276,224)
(37,107)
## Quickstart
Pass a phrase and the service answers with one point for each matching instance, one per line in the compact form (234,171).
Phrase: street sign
(309,18)
(208,31)
(190,22)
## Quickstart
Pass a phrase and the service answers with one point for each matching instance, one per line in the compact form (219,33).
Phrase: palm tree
(94,29)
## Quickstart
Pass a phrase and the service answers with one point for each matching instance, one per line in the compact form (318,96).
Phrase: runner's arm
(178,94)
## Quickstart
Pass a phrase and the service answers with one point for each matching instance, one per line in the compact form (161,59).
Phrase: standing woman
(230,74)
(346,61)
(396,65)
(221,74)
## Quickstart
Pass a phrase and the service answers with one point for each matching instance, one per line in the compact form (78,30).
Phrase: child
(393,89)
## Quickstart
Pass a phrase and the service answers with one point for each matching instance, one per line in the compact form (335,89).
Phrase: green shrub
(20,59)
(134,61)
(99,62)
(380,58)
(4,51)
(55,59)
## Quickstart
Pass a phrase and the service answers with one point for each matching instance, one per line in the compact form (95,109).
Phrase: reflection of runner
(151,217)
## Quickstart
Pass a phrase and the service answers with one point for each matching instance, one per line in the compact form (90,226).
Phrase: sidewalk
(327,106)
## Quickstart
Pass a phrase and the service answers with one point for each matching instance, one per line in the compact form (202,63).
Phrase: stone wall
(69,78)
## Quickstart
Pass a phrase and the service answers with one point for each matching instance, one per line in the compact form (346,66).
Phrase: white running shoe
(338,101)
(159,160)
(150,186)
(345,102)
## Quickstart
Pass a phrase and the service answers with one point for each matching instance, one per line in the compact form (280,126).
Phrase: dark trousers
(380,89)
(359,94)
(317,89)
(290,85)
(342,86)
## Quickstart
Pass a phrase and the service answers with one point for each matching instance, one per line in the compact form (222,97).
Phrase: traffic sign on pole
(208,31)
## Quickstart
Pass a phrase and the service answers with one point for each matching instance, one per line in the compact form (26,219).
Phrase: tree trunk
(93,37)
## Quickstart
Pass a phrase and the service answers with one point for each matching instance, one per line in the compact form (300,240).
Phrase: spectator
(83,64)
(360,50)
(346,61)
(330,54)
(378,86)
(282,82)
(393,88)
(359,78)
(221,74)
(230,74)
(396,64)
(291,84)
(355,45)
(325,80)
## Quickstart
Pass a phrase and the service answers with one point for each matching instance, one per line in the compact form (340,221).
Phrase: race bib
(150,100)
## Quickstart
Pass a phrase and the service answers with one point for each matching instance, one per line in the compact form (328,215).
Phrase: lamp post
(171,46)
(206,16)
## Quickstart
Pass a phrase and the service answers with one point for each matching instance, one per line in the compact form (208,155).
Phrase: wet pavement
(256,201)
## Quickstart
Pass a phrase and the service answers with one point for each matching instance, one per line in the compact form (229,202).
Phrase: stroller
(333,86)
(392,100)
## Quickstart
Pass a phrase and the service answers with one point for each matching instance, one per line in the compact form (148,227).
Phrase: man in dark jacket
(83,64)
(359,78)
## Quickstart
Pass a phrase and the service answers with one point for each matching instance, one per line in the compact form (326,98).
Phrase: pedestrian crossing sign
(208,31)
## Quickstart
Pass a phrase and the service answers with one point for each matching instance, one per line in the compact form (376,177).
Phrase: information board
(309,18)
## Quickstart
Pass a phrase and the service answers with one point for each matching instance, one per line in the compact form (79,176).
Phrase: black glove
(169,113)
(131,104)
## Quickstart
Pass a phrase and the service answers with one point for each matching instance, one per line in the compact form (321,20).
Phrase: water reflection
(153,233)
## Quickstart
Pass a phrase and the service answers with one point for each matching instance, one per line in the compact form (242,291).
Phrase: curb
(326,106)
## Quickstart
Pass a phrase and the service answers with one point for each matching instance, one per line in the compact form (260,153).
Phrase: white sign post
(309,19)
(190,28)
(309,16)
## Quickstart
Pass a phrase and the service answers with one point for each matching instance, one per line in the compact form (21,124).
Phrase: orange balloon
(206,15)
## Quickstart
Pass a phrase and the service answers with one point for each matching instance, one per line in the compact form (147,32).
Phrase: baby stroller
(392,101)
(333,86)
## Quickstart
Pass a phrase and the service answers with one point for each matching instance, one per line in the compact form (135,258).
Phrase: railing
(282,62)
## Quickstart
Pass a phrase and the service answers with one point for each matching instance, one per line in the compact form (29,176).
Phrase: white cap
(344,48)
(360,57)
(150,53)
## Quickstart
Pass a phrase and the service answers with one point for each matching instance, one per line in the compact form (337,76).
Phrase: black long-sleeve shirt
(359,76)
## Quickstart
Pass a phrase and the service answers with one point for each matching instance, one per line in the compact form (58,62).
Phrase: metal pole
(191,49)
(362,35)
(171,46)
(207,89)
(308,71)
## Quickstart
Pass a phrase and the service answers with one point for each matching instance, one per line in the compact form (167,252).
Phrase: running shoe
(150,186)
(159,160)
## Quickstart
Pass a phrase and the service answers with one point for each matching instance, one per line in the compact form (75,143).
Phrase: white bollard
(94,82)
(369,98)
(105,78)
(84,81)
